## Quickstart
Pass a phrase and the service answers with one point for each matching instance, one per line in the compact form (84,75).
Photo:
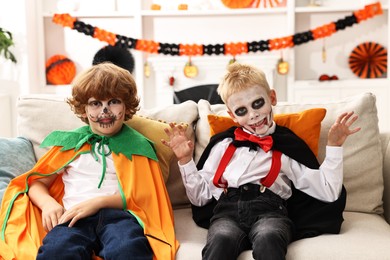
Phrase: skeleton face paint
(105,116)
(252,109)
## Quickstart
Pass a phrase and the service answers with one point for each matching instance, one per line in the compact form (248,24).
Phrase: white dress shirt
(249,166)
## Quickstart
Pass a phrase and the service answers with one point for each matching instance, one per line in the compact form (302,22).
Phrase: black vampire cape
(311,217)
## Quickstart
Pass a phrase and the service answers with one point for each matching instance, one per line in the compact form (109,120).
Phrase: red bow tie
(265,142)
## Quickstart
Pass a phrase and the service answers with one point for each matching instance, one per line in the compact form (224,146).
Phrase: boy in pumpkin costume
(99,191)
(259,186)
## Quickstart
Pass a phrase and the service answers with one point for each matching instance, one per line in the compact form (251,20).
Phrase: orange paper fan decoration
(253,3)
(270,3)
(368,60)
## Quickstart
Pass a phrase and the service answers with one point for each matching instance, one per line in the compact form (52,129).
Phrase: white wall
(15,79)
(20,17)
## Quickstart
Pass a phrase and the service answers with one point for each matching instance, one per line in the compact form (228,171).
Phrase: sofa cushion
(16,157)
(154,130)
(186,112)
(362,236)
(363,157)
(305,124)
(35,122)
(358,231)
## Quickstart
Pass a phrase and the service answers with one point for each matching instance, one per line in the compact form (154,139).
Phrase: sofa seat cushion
(191,237)
(363,236)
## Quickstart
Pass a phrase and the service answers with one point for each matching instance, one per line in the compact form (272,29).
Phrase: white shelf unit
(222,25)
(304,86)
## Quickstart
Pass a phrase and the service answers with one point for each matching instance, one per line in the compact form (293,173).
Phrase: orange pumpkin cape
(140,183)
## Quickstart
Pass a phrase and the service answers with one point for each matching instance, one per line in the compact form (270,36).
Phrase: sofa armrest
(385,139)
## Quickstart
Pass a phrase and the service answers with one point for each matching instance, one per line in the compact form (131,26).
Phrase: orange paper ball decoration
(60,70)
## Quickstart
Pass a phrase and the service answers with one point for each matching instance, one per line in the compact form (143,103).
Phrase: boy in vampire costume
(98,192)
(259,186)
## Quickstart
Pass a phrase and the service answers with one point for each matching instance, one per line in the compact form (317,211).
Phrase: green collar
(128,141)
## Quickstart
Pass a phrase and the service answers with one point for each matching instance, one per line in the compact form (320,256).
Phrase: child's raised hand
(339,131)
(180,144)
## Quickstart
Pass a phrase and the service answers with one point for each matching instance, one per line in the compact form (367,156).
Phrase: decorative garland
(233,49)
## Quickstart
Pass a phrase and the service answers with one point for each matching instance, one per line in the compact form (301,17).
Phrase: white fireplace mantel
(210,71)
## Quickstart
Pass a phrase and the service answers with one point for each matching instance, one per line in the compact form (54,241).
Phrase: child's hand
(82,210)
(91,207)
(339,131)
(180,144)
(51,213)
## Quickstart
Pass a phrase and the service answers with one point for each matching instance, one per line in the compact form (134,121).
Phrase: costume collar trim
(128,141)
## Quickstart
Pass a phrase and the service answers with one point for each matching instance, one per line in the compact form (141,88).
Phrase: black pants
(245,218)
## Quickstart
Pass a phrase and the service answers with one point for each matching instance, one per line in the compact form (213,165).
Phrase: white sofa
(365,232)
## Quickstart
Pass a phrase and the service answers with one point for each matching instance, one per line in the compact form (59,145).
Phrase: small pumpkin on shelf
(238,3)
(190,70)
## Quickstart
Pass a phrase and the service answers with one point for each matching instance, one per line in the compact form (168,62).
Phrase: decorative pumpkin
(146,69)
(238,3)
(182,7)
(283,67)
(60,70)
(368,60)
(155,7)
(190,70)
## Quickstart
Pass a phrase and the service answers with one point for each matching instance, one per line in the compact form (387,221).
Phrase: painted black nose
(105,110)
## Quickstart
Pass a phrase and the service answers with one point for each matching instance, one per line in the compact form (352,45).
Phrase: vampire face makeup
(252,109)
(105,116)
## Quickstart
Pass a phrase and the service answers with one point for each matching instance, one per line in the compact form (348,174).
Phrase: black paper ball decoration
(119,56)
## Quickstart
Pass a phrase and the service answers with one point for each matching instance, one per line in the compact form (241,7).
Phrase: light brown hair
(104,81)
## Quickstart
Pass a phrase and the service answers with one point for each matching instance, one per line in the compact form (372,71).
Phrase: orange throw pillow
(305,124)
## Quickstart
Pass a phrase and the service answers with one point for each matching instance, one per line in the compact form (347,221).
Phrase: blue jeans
(110,234)
(244,218)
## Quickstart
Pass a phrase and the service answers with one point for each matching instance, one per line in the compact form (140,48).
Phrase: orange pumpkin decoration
(368,60)
(182,7)
(60,70)
(282,67)
(238,3)
(155,7)
(190,70)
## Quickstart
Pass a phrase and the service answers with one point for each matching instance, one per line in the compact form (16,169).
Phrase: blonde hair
(104,81)
(240,77)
